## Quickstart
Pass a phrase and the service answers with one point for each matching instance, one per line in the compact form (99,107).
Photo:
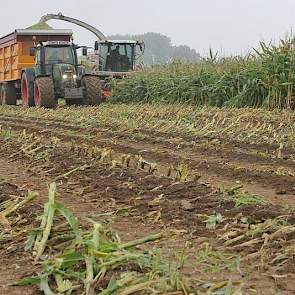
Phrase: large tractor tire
(27,91)
(44,93)
(8,94)
(93,89)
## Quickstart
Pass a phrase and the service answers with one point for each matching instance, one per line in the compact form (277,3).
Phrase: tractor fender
(90,75)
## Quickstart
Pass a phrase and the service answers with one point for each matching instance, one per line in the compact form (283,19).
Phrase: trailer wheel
(93,89)
(8,94)
(27,92)
(44,93)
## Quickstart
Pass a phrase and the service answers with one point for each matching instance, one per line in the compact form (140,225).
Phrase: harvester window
(119,58)
(103,55)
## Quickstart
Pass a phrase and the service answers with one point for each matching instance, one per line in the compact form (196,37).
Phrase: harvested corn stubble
(96,260)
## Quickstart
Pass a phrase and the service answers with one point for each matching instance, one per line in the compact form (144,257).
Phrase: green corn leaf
(31,239)
(27,281)
(213,220)
(69,259)
(71,219)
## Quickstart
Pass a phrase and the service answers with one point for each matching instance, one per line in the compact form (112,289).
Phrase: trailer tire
(44,93)
(8,94)
(93,88)
(27,91)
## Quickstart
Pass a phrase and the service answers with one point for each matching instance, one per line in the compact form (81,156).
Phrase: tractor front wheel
(8,94)
(44,93)
(93,89)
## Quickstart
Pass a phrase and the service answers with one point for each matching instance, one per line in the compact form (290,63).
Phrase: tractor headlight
(64,76)
(74,76)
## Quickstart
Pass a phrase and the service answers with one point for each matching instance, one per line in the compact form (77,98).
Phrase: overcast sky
(233,26)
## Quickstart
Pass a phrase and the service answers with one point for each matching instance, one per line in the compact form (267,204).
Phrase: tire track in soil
(224,169)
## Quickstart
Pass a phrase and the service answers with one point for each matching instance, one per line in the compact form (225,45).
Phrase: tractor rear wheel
(44,93)
(8,94)
(27,92)
(93,89)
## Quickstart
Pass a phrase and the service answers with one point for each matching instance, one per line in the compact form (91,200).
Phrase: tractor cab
(59,60)
(55,55)
(118,56)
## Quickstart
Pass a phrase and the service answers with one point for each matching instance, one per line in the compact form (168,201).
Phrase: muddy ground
(144,196)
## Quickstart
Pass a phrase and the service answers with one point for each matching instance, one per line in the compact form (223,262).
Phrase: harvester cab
(115,59)
(118,57)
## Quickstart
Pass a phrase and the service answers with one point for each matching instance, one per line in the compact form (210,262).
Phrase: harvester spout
(82,24)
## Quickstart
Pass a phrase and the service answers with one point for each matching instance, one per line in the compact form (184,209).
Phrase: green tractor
(57,74)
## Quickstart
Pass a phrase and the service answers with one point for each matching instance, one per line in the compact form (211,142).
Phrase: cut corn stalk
(11,209)
(46,223)
(96,256)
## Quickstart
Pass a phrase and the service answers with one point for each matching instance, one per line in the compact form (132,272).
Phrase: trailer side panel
(15,50)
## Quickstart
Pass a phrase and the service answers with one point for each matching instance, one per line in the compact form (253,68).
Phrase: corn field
(264,78)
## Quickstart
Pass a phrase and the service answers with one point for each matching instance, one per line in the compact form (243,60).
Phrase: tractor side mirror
(84,51)
(96,45)
(32,51)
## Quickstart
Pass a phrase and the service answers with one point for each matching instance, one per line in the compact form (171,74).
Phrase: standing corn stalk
(264,78)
